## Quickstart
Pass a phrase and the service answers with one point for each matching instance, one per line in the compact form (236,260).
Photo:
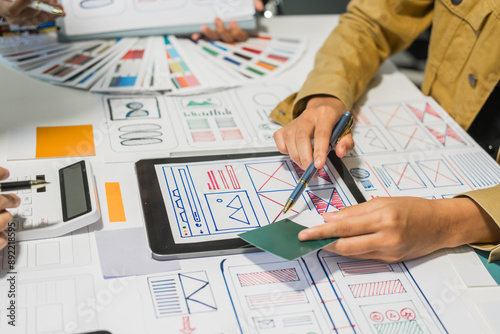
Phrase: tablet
(197,206)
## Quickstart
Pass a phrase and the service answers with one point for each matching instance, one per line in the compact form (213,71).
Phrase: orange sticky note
(64,141)
(116,211)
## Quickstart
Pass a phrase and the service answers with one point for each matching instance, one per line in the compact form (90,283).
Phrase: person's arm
(18,12)
(367,34)
(6,201)
(229,34)
(403,228)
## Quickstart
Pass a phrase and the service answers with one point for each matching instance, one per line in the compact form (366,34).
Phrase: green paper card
(281,238)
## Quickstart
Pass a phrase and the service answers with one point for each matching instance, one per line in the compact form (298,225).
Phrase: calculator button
(26,212)
(13,212)
(27,223)
(44,222)
(36,223)
(26,191)
(26,199)
(25,178)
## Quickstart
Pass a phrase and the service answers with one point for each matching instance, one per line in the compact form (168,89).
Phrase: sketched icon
(197,292)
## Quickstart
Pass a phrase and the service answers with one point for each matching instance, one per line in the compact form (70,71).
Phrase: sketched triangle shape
(239,214)
(375,140)
(321,173)
(198,293)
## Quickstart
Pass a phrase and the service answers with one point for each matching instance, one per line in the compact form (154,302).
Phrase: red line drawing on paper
(186,326)
(223,178)
(444,136)
(233,177)
(376,316)
(411,136)
(438,172)
(456,171)
(321,173)
(377,288)
(271,177)
(360,117)
(408,313)
(393,115)
(404,176)
(277,298)
(364,267)
(213,185)
(423,115)
(322,205)
(378,179)
(392,315)
(268,277)
(275,201)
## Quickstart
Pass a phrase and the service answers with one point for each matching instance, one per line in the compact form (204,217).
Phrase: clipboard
(172,198)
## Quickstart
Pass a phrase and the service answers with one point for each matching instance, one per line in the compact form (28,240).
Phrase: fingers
(345,145)
(9,201)
(235,31)
(16,7)
(345,227)
(259,5)
(5,219)
(221,32)
(4,173)
(3,239)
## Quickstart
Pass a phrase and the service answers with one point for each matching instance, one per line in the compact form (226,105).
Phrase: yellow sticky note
(116,211)
(64,141)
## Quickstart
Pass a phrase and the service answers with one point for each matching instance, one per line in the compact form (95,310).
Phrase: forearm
(465,222)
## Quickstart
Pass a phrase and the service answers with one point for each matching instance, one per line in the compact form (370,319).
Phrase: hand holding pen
(6,201)
(28,12)
(342,127)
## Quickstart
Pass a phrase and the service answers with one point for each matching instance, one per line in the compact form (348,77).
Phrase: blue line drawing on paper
(369,140)
(197,292)
(236,208)
(94,4)
(404,176)
(438,173)
(239,213)
(180,294)
(190,196)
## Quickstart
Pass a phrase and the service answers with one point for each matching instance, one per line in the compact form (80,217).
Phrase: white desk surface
(25,101)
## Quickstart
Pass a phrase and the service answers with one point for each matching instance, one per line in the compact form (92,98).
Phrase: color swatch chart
(414,148)
(258,57)
(181,74)
(217,200)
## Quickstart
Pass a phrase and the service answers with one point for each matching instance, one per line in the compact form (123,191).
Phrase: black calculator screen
(74,191)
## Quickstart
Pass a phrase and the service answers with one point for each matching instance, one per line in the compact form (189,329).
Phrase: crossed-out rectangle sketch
(216,200)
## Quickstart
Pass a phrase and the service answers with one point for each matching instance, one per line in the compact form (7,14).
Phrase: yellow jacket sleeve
(369,32)
(489,200)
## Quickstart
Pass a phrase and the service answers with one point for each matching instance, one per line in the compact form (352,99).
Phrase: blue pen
(340,130)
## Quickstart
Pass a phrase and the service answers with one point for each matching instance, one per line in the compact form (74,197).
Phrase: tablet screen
(217,200)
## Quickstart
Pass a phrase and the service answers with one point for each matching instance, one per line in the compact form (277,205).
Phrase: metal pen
(340,130)
(45,7)
(20,185)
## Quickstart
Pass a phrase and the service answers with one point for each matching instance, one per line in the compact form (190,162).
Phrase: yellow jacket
(463,64)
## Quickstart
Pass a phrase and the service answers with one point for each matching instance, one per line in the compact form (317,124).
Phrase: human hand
(18,12)
(403,228)
(6,201)
(230,34)
(316,122)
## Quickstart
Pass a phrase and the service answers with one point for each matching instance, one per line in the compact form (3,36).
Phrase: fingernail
(303,235)
(317,162)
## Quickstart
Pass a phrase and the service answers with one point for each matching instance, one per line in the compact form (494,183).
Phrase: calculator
(66,204)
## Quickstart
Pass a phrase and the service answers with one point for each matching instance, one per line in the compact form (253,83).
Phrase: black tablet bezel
(158,230)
